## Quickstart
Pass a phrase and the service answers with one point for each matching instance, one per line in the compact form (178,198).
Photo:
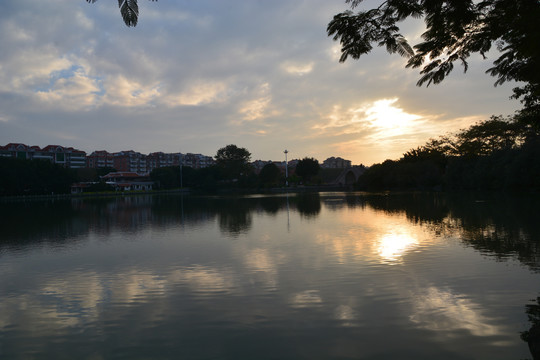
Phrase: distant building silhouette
(336,163)
(65,156)
(135,162)
(132,161)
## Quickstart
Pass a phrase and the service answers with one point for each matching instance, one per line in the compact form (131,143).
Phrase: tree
(307,168)
(454,31)
(129,9)
(269,174)
(167,177)
(34,177)
(483,138)
(234,161)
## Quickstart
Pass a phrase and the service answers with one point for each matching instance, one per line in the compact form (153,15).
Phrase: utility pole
(286,169)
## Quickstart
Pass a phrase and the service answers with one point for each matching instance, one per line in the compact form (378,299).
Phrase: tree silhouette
(307,168)
(129,9)
(234,161)
(269,174)
(454,31)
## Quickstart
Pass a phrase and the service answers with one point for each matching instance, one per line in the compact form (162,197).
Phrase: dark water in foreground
(307,276)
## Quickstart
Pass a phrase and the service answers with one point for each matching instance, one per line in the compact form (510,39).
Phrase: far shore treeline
(501,153)
(496,154)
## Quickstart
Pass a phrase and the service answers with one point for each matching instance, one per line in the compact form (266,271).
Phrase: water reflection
(443,311)
(532,336)
(329,274)
(393,246)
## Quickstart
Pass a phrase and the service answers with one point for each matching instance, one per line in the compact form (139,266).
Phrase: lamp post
(286,169)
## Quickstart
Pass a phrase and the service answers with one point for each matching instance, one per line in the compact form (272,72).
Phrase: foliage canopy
(454,31)
(307,168)
(499,153)
(234,161)
(270,174)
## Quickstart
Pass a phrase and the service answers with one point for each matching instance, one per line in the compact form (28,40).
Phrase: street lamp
(286,169)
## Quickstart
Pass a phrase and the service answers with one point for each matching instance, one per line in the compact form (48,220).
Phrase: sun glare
(384,115)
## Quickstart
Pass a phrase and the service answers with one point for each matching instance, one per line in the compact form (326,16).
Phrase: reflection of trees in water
(418,207)
(272,205)
(51,222)
(234,215)
(502,226)
(59,221)
(494,224)
(532,336)
(308,204)
(497,225)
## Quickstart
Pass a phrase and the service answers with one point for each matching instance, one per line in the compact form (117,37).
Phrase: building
(100,159)
(123,161)
(130,161)
(336,163)
(128,181)
(197,161)
(65,156)
(160,159)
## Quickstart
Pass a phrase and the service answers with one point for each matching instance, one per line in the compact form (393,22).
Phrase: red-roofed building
(128,181)
(67,157)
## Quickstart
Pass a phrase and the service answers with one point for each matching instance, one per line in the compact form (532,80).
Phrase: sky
(197,75)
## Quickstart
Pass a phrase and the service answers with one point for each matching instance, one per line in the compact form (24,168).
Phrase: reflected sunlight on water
(392,247)
(313,276)
(374,236)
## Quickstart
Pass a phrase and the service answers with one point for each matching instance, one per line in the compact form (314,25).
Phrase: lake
(288,276)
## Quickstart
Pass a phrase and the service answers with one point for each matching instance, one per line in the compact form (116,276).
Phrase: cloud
(221,71)
(441,310)
(257,108)
(29,69)
(122,91)
(298,69)
(200,93)
(75,91)
(379,118)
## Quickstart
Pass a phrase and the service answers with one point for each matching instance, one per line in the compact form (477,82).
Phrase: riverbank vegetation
(496,154)
(501,153)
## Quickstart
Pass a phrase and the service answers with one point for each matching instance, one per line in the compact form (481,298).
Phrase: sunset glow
(386,116)
(190,78)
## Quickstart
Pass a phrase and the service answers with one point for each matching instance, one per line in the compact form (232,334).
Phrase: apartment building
(161,159)
(336,163)
(197,161)
(123,161)
(100,159)
(65,156)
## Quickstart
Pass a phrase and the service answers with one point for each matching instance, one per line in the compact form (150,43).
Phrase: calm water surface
(289,276)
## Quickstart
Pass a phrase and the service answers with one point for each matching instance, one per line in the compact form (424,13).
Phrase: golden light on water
(374,236)
(393,246)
